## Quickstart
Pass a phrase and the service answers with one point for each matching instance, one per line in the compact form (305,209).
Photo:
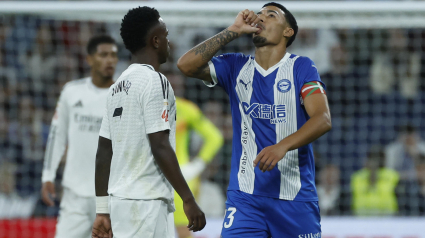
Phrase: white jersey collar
(146,65)
(264,72)
(93,87)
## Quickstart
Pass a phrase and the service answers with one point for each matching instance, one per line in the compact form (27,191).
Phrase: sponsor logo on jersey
(284,85)
(275,113)
(244,140)
(78,104)
(88,123)
(121,86)
(310,235)
(244,84)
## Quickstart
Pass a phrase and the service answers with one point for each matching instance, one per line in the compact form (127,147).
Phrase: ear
(155,42)
(89,59)
(288,32)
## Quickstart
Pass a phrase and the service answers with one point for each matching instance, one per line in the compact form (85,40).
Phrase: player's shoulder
(301,61)
(302,64)
(236,58)
(148,80)
(75,84)
(157,80)
(145,68)
(142,74)
(233,56)
(138,71)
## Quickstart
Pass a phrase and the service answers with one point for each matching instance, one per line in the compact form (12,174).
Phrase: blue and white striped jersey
(266,107)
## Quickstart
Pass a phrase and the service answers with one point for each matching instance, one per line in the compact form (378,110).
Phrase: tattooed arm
(195,62)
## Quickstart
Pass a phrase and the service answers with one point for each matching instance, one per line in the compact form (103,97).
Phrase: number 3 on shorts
(232,211)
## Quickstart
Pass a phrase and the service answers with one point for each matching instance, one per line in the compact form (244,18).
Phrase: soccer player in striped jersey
(76,124)
(136,164)
(279,107)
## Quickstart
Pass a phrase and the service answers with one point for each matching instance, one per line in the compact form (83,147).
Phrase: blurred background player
(279,106)
(76,126)
(136,164)
(190,119)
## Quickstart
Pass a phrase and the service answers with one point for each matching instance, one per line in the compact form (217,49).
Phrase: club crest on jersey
(284,85)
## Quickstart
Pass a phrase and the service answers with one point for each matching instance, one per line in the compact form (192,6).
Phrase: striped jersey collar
(273,68)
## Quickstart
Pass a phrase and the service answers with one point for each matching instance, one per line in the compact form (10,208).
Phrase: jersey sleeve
(211,135)
(56,142)
(305,71)
(224,69)
(104,128)
(155,104)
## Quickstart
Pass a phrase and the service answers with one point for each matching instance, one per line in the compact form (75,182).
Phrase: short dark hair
(97,40)
(135,26)
(289,18)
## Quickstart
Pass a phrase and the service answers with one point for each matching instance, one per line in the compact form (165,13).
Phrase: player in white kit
(136,164)
(76,125)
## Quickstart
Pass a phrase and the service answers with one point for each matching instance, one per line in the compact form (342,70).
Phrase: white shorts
(141,218)
(76,216)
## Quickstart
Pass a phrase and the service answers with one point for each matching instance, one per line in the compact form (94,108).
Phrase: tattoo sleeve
(195,62)
(210,47)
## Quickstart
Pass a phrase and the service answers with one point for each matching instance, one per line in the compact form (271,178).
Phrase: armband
(310,88)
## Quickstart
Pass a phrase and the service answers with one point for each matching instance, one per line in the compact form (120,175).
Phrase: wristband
(102,205)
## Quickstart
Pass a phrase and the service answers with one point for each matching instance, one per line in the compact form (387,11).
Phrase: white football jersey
(76,123)
(141,102)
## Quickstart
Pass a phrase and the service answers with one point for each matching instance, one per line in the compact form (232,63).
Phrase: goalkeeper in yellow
(190,118)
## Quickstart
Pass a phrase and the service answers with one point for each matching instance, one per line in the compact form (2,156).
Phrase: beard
(259,41)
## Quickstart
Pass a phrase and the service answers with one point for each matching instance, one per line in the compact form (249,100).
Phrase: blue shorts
(262,217)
